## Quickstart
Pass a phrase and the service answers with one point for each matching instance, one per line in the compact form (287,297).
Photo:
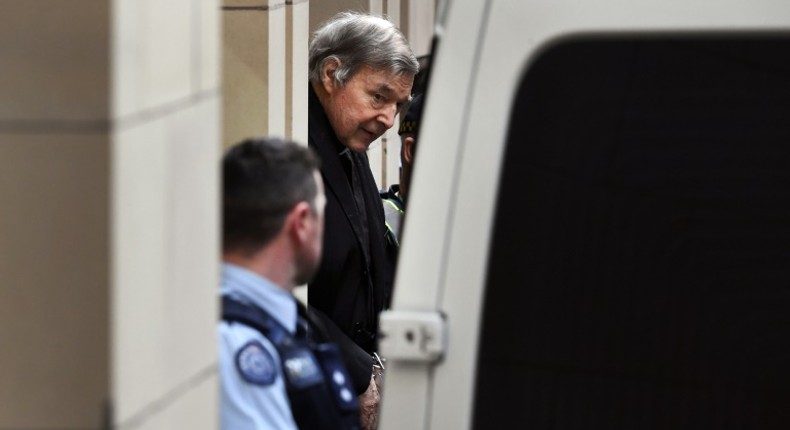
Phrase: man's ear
(328,74)
(408,149)
(298,221)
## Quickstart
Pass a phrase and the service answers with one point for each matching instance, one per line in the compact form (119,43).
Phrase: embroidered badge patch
(256,364)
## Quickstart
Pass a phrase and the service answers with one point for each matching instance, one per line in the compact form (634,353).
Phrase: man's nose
(387,115)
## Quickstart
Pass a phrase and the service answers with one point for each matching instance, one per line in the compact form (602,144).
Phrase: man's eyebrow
(384,88)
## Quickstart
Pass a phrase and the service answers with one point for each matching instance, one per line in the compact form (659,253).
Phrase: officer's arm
(359,363)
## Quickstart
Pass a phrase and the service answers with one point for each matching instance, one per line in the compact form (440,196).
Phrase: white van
(598,231)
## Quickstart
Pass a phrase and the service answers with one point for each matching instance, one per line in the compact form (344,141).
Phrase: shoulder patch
(255,364)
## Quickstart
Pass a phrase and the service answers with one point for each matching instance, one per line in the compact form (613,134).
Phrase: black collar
(316,112)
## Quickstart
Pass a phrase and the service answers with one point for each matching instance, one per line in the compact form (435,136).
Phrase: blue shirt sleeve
(249,405)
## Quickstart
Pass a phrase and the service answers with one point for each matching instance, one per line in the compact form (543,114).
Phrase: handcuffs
(378,368)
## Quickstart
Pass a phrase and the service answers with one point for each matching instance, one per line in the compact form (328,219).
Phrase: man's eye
(378,98)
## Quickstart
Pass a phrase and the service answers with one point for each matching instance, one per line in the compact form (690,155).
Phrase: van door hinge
(412,335)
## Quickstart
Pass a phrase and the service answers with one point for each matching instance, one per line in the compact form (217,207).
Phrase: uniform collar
(247,286)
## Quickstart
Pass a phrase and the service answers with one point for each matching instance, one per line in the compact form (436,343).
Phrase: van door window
(639,273)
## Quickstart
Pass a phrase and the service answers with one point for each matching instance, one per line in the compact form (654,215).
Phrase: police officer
(271,375)
(394,198)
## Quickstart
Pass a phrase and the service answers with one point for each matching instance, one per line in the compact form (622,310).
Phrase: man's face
(366,106)
(309,257)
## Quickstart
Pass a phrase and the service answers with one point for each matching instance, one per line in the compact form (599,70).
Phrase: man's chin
(360,145)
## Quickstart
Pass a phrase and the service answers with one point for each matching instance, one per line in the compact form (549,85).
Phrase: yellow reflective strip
(393,205)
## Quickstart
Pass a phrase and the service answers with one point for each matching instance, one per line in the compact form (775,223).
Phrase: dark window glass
(639,275)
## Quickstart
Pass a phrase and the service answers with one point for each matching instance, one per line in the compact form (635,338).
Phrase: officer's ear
(408,148)
(298,221)
(328,70)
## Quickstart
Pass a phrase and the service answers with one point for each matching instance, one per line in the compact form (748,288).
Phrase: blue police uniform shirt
(253,394)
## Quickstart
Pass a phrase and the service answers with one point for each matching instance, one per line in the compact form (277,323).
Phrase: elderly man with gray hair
(361,74)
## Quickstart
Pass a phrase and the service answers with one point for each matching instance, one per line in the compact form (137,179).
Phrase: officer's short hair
(356,39)
(262,180)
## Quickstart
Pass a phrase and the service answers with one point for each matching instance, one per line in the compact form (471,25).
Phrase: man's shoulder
(320,136)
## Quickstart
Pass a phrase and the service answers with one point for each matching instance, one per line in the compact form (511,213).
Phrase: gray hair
(355,40)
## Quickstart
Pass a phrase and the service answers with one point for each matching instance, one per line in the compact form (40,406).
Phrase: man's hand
(369,405)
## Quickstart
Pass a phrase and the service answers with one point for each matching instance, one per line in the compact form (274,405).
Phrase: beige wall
(320,10)
(165,203)
(297,40)
(109,140)
(54,276)
(54,194)
(253,68)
